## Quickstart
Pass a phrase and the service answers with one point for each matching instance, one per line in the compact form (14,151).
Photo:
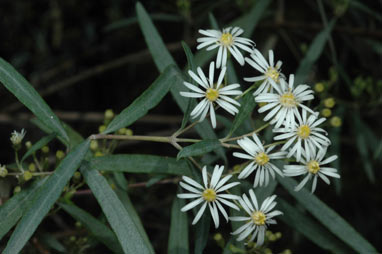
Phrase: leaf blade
(27,95)
(39,144)
(47,194)
(199,148)
(139,163)
(178,238)
(146,101)
(247,105)
(123,226)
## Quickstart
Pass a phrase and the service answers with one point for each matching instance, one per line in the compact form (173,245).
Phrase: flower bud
(32,167)
(60,154)
(122,131)
(319,87)
(17,189)
(129,132)
(102,128)
(326,112)
(109,114)
(335,121)
(329,102)
(28,144)
(93,145)
(45,149)
(3,171)
(27,175)
(17,137)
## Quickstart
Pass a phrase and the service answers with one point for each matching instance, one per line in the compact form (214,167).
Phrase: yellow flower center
(288,100)
(209,195)
(273,74)
(262,158)
(258,218)
(226,39)
(313,166)
(212,94)
(303,131)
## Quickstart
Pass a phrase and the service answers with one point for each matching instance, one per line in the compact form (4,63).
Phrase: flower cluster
(296,127)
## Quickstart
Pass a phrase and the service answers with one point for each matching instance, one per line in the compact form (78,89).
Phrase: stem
(275,143)
(34,174)
(19,166)
(181,131)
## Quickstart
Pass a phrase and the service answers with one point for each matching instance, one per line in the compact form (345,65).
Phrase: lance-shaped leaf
(328,217)
(199,148)
(128,235)
(99,230)
(310,229)
(314,52)
(246,107)
(178,238)
(47,194)
(15,207)
(139,163)
(27,95)
(38,145)
(146,101)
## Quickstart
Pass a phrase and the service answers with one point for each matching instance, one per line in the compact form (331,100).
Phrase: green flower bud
(3,171)
(319,87)
(326,112)
(17,189)
(122,131)
(335,121)
(28,144)
(102,128)
(129,132)
(109,114)
(329,102)
(93,145)
(77,175)
(60,154)
(32,167)
(45,149)
(27,175)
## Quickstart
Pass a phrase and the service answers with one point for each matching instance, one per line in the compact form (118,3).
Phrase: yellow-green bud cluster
(3,171)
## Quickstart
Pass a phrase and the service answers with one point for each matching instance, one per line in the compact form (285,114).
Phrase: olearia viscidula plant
(242,194)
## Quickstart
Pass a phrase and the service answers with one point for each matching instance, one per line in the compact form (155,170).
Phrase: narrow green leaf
(38,145)
(161,55)
(199,148)
(119,219)
(213,21)
(178,238)
(202,230)
(314,52)
(15,207)
(50,241)
(47,194)
(98,229)
(328,217)
(27,95)
(309,228)
(360,131)
(247,105)
(363,7)
(137,163)
(124,198)
(146,101)
(162,58)
(74,137)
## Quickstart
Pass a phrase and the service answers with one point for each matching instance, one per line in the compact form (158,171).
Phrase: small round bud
(287,251)
(319,87)
(326,112)
(28,144)
(60,154)
(109,114)
(329,102)
(45,149)
(218,237)
(267,251)
(102,128)
(129,132)
(335,121)
(27,175)
(98,154)
(122,131)
(3,171)
(77,175)
(78,224)
(72,238)
(278,235)
(93,145)
(32,167)
(17,189)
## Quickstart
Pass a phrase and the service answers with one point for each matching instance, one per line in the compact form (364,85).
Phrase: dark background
(88,56)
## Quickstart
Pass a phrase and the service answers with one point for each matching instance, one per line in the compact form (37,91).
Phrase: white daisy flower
(268,70)
(305,135)
(209,194)
(213,93)
(226,40)
(260,160)
(313,167)
(17,137)
(284,104)
(258,219)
